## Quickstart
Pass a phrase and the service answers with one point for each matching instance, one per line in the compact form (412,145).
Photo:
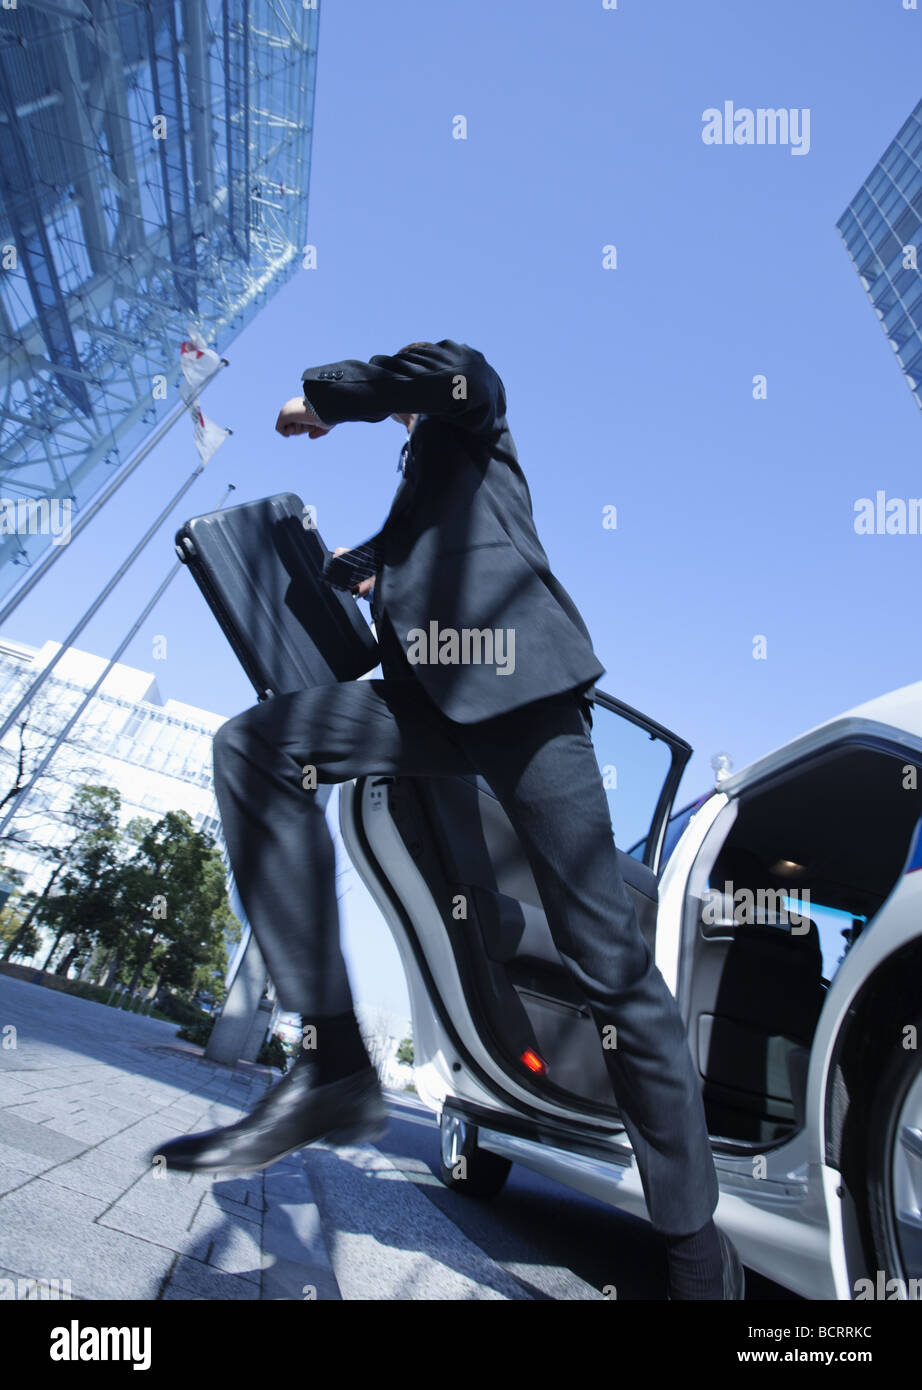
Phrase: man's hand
(366,585)
(296,417)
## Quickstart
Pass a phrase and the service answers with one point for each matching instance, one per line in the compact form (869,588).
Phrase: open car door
(524,1005)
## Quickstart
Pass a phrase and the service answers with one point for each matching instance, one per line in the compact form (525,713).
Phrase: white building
(155,753)
(158,755)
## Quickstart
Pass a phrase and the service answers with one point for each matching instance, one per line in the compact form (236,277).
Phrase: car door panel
(464,844)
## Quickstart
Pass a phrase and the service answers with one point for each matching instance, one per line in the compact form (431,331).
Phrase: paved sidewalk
(86,1093)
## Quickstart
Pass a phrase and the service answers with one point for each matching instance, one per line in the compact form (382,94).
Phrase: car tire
(894,1171)
(463,1166)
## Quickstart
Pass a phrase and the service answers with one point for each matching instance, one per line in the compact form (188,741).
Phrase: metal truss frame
(114,242)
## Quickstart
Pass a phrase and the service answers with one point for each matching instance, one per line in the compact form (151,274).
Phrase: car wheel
(463,1166)
(894,1172)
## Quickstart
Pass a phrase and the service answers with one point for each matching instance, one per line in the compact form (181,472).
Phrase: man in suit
(458,555)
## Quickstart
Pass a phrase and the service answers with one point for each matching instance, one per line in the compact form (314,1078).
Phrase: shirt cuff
(308,403)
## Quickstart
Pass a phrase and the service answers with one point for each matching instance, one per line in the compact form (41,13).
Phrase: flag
(208,436)
(199,363)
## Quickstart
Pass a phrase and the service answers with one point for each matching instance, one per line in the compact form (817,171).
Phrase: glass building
(154,163)
(881,231)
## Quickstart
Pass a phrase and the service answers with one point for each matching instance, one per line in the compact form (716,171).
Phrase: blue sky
(629,387)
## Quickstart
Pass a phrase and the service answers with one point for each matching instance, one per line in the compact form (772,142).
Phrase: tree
(173,904)
(17,932)
(405,1052)
(84,903)
(19,772)
(24,749)
(211,970)
(17,935)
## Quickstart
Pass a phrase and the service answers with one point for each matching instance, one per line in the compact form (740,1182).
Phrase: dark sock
(338,1050)
(695,1264)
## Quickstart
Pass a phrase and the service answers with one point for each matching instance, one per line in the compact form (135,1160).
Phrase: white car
(785,911)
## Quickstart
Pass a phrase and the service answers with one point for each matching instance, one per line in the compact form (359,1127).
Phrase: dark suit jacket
(461,549)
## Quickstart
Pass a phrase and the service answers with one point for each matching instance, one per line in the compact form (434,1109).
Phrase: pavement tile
(184,1111)
(295,1282)
(220,1094)
(161,1198)
(297,1260)
(99,1107)
(88,1129)
(34,1111)
(85,1100)
(170,1232)
(45,1080)
(206,1282)
(141,1139)
(202,1182)
(233,1246)
(18,1287)
(232,1208)
(23,1161)
(242,1189)
(11,1178)
(389,1242)
(217,1115)
(79,1091)
(19,1133)
(94,1175)
(158,1101)
(291,1226)
(13,1090)
(130,1114)
(99,1262)
(132,1166)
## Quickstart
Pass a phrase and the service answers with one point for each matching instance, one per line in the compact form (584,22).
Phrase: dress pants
(540,763)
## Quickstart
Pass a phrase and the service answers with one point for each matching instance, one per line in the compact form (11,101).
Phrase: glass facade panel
(906,226)
(913,370)
(913,142)
(905,340)
(125,239)
(884,218)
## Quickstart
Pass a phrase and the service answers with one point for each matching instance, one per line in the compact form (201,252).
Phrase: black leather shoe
(296,1112)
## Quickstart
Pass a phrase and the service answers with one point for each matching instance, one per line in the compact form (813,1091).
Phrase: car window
(838,931)
(634,766)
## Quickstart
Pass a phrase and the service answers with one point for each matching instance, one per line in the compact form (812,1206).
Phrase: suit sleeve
(449,379)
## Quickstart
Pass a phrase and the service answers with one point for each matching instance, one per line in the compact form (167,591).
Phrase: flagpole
(97,603)
(55,552)
(20,800)
(189,396)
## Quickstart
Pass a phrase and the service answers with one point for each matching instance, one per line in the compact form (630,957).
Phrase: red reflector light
(533,1062)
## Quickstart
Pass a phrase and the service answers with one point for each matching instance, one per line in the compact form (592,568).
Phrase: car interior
(833,832)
